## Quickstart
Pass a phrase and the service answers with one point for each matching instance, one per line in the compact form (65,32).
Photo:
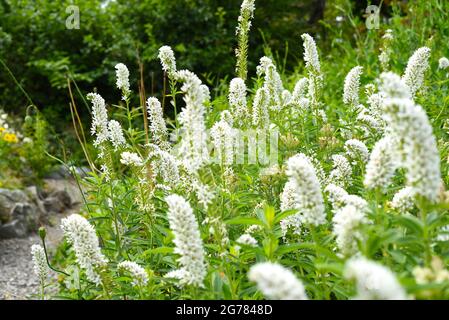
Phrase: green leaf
(284,215)
(244,220)
(269,216)
(411,223)
(336,268)
(159,250)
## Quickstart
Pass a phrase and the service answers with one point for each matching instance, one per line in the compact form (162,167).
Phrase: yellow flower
(2,129)
(10,137)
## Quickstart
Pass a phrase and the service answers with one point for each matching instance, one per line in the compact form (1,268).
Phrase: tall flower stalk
(242,31)
(309,199)
(83,238)
(193,146)
(40,266)
(277,282)
(313,67)
(188,243)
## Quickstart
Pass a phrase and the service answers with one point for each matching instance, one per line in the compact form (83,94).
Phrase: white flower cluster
(435,274)
(339,197)
(104,131)
(373,281)
(308,190)
(223,139)
(391,85)
(443,63)
(272,83)
(356,150)
(347,222)
(386,51)
(299,95)
(131,159)
(122,75)
(225,115)
(311,53)
(336,195)
(237,100)
(288,202)
(443,235)
(187,241)
(158,128)
(254,228)
(193,148)
(314,69)
(116,135)
(247,8)
(164,165)
(40,267)
(203,193)
(168,61)
(277,282)
(352,87)
(381,166)
(409,123)
(260,113)
(342,170)
(403,200)
(81,235)
(247,240)
(99,126)
(139,275)
(375,102)
(288,196)
(416,68)
(372,116)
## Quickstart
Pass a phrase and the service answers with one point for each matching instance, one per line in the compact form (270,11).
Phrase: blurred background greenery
(41,53)
(38,48)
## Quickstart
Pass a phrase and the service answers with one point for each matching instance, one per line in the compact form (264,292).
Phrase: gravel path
(17,279)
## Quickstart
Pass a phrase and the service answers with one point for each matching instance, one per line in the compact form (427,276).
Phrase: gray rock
(53,205)
(24,218)
(36,195)
(8,199)
(82,171)
(62,172)
(63,196)
(27,213)
(13,229)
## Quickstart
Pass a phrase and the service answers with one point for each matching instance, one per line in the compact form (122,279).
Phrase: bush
(352,204)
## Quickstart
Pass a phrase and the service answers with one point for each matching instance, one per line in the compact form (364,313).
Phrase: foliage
(249,213)
(41,51)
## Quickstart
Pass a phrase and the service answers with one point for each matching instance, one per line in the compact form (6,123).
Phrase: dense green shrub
(40,51)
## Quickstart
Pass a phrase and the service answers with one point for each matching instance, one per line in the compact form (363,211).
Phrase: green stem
(48,261)
(114,216)
(427,245)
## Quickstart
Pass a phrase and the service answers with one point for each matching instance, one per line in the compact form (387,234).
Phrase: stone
(53,205)
(26,213)
(63,196)
(24,218)
(8,199)
(36,195)
(13,229)
(62,172)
